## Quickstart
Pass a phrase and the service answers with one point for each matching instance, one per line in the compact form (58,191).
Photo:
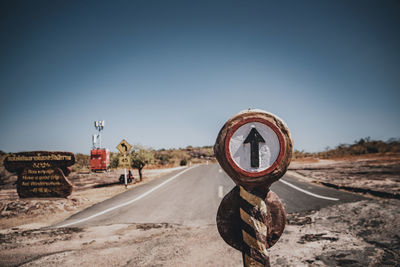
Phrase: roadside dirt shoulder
(89,189)
(364,233)
(378,174)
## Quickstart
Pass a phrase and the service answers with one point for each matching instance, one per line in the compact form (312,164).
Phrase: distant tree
(163,158)
(114,160)
(141,157)
(360,147)
(3,173)
(81,162)
(361,142)
(393,141)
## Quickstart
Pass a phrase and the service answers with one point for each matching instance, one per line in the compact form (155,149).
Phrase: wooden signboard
(41,173)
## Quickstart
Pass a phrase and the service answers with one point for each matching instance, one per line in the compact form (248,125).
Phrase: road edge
(372,192)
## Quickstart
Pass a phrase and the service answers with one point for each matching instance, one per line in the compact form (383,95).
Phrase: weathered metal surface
(260,178)
(41,173)
(230,224)
(254,148)
(99,159)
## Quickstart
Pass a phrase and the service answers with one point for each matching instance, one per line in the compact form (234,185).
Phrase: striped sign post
(254,148)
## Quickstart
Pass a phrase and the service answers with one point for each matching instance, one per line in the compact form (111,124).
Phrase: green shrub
(162,158)
(361,147)
(114,160)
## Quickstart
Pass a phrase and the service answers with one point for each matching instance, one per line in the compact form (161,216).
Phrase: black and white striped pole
(254,148)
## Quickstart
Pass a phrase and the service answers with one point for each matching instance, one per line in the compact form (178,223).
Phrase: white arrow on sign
(254,147)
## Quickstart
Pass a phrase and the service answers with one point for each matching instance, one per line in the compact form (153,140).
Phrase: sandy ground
(364,233)
(355,234)
(377,173)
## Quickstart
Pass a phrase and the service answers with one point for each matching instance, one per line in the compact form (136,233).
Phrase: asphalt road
(191,197)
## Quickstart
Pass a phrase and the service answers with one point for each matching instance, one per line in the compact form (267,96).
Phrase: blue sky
(169,74)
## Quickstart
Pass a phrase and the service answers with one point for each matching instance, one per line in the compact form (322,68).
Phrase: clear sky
(167,74)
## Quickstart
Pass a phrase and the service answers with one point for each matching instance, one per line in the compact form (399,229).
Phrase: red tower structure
(99,157)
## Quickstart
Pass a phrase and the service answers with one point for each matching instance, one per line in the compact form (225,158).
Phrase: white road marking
(307,192)
(220,191)
(220,170)
(126,203)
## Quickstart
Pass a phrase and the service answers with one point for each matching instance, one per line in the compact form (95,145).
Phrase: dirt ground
(89,189)
(354,234)
(371,173)
(365,233)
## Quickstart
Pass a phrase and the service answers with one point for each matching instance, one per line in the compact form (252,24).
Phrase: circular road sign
(254,147)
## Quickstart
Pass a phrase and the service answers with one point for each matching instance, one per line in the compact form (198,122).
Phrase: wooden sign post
(41,173)
(254,148)
(124,160)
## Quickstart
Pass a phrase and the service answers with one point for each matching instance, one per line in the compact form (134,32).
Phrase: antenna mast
(96,138)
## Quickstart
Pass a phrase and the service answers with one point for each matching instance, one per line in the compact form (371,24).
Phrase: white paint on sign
(241,152)
(220,191)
